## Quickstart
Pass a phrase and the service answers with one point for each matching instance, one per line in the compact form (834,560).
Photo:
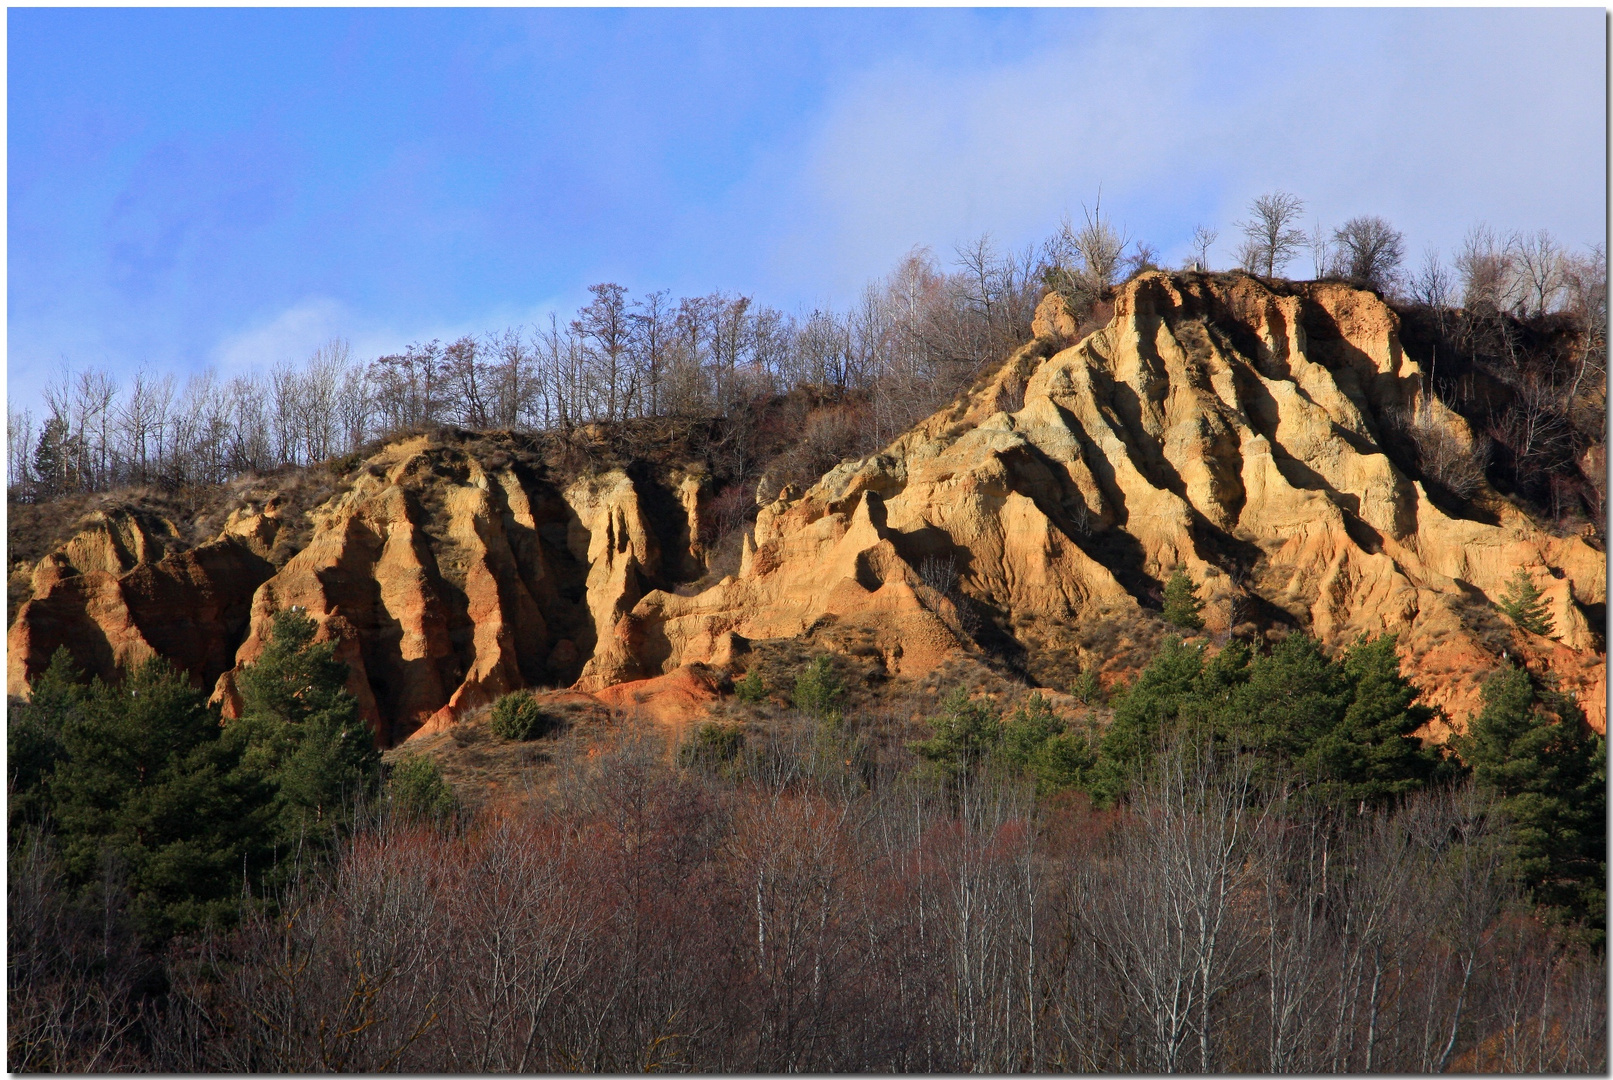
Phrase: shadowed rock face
(115,594)
(1243,434)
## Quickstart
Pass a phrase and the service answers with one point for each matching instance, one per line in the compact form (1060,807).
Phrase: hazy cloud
(1435,119)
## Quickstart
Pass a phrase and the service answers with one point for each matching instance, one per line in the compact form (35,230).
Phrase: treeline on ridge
(1512,331)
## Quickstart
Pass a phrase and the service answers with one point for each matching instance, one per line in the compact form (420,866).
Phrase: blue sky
(196,187)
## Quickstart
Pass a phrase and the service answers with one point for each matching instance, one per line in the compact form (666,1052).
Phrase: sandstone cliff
(1251,435)
(1217,425)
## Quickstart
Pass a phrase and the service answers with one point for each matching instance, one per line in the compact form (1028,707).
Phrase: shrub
(1086,689)
(712,744)
(1182,603)
(1454,463)
(519,718)
(818,690)
(1036,743)
(750,689)
(418,790)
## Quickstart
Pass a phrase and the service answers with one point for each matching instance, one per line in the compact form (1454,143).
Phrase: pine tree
(148,789)
(1371,754)
(1142,714)
(51,459)
(1525,606)
(965,732)
(751,689)
(34,740)
(818,691)
(1533,748)
(1182,603)
(1036,743)
(302,731)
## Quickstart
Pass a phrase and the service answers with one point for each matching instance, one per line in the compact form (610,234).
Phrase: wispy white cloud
(289,336)
(1436,119)
(293,334)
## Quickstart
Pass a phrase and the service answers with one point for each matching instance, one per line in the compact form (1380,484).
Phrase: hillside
(1274,442)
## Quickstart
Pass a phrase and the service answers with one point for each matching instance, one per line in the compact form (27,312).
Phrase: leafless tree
(652,330)
(607,331)
(1085,258)
(1323,256)
(1204,239)
(1485,266)
(1270,238)
(1370,251)
(1168,929)
(20,446)
(1537,260)
(467,396)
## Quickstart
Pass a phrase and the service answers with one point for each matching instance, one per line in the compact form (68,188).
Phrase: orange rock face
(1216,426)
(1243,434)
(113,598)
(674,700)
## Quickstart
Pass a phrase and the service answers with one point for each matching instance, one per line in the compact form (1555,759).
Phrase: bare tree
(1270,238)
(1167,926)
(19,450)
(1432,286)
(1204,238)
(1086,259)
(1537,259)
(652,330)
(1144,256)
(323,378)
(604,328)
(1370,251)
(1485,265)
(467,397)
(1320,243)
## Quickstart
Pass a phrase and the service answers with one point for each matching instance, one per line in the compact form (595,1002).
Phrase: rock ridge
(1250,434)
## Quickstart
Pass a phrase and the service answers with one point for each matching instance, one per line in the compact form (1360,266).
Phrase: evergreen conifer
(1525,606)
(1182,603)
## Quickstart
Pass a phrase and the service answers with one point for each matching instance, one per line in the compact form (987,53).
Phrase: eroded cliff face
(1247,435)
(447,576)
(1215,425)
(118,592)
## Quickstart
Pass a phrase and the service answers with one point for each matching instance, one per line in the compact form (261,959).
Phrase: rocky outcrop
(446,575)
(1254,436)
(444,580)
(1241,433)
(674,700)
(114,595)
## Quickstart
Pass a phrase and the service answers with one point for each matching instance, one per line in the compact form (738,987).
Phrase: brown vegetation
(816,913)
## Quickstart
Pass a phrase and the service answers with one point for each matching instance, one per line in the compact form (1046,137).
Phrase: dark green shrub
(518,717)
(1087,689)
(1036,744)
(418,790)
(712,745)
(750,689)
(818,691)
